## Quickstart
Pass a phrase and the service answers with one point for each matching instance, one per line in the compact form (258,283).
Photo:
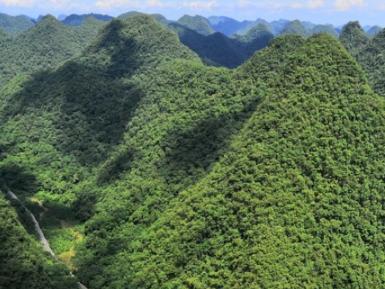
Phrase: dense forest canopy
(148,165)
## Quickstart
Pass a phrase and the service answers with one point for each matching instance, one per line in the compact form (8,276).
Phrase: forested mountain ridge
(243,223)
(149,169)
(45,46)
(15,24)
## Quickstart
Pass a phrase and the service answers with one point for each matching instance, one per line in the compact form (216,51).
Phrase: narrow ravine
(43,240)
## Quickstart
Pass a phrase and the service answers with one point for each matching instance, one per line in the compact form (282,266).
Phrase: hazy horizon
(336,12)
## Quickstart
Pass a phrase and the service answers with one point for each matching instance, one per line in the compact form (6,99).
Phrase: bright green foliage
(23,263)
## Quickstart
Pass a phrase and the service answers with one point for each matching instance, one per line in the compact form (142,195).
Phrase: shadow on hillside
(190,154)
(116,166)
(92,98)
(18,180)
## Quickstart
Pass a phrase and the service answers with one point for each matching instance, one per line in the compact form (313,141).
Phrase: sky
(337,12)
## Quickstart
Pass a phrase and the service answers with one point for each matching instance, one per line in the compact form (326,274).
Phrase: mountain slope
(296,201)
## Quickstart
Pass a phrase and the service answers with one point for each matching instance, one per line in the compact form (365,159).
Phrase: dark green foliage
(197,23)
(23,263)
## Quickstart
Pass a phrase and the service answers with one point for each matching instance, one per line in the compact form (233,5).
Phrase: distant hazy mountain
(197,23)
(226,25)
(76,20)
(296,28)
(373,31)
(231,27)
(15,24)
(278,26)
(325,28)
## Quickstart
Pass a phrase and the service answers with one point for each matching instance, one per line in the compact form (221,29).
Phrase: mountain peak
(140,36)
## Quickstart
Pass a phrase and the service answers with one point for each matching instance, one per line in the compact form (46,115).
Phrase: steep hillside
(292,187)
(77,113)
(148,169)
